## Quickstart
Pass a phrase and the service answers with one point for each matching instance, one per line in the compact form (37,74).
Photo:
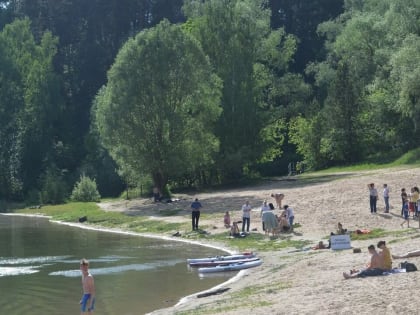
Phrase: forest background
(188,94)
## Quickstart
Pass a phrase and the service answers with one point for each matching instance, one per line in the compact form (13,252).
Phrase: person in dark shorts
(195,213)
(374,268)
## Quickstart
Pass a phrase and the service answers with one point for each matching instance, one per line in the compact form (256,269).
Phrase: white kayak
(231,267)
(210,263)
(221,258)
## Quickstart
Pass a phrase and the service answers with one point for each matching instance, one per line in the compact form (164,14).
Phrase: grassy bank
(71,212)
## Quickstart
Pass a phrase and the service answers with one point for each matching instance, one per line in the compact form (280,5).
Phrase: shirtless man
(88,299)
(374,268)
(278,198)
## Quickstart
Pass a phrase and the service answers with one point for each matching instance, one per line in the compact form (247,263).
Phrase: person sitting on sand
(385,254)
(340,230)
(234,230)
(283,222)
(290,215)
(226,220)
(374,268)
(278,198)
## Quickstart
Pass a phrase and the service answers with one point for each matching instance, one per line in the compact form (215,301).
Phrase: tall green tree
(237,37)
(157,112)
(30,106)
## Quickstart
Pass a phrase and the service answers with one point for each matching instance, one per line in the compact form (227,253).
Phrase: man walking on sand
(87,303)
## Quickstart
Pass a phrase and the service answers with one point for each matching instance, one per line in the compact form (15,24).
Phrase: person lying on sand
(321,245)
(374,268)
(415,253)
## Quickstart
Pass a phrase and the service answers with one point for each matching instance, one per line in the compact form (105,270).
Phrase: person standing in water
(87,303)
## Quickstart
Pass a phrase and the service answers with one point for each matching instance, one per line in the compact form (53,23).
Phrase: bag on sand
(409,267)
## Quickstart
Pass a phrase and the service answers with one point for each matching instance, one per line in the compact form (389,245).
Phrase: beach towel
(362,231)
(393,271)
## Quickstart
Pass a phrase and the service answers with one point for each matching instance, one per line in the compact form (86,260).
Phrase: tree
(29,103)
(301,18)
(405,75)
(236,36)
(157,111)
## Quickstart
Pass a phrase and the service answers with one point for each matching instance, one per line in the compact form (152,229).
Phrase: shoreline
(182,300)
(306,282)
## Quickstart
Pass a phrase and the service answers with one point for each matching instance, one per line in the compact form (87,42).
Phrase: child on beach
(226,220)
(404,196)
(406,214)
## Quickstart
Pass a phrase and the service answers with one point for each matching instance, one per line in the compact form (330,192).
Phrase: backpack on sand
(409,267)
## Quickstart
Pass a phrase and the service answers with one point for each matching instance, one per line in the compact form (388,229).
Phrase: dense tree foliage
(247,55)
(331,81)
(157,111)
(29,105)
(367,83)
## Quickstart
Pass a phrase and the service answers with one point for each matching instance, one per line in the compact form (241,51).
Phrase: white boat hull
(231,267)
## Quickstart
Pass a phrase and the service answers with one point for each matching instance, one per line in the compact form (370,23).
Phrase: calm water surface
(39,269)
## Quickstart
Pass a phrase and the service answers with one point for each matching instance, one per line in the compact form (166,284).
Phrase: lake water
(39,269)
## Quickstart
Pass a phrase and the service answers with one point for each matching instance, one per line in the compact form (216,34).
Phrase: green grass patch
(71,212)
(412,157)
(169,212)
(381,233)
(378,233)
(242,299)
(259,242)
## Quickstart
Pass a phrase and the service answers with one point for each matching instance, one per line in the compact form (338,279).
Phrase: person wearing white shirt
(290,215)
(246,216)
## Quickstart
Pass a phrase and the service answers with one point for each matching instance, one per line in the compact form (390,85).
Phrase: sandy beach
(307,281)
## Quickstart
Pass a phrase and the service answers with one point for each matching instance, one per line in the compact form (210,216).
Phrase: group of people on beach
(374,196)
(410,202)
(271,223)
(410,205)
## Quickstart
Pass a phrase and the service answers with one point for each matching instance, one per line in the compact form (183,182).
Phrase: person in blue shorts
(87,303)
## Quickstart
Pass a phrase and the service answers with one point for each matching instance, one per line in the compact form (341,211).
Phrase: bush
(85,190)
(54,188)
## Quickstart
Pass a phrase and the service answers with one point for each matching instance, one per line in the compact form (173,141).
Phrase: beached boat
(209,263)
(221,258)
(231,267)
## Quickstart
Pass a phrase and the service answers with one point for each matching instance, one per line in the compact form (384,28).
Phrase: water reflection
(39,269)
